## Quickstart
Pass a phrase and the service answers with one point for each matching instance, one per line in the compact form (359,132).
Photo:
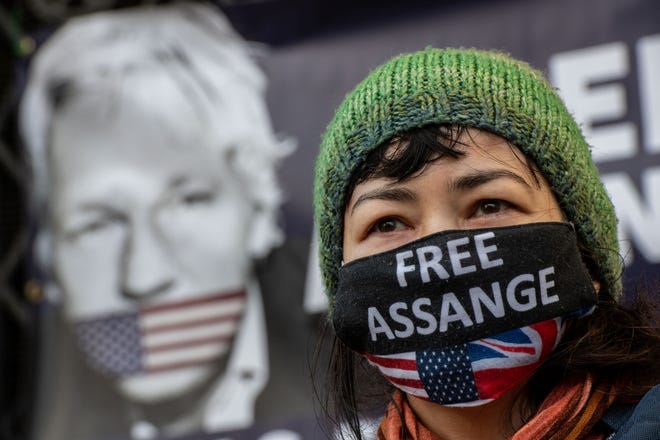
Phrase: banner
(602,55)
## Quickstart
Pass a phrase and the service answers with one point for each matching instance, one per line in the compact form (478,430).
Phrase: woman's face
(490,185)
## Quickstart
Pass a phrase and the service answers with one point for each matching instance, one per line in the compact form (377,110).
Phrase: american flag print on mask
(473,373)
(162,337)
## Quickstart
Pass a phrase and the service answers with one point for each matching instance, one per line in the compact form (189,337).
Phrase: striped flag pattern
(162,337)
(472,373)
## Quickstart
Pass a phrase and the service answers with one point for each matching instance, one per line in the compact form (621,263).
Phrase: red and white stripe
(401,370)
(189,333)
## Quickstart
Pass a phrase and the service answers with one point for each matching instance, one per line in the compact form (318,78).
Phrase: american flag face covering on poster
(460,317)
(162,337)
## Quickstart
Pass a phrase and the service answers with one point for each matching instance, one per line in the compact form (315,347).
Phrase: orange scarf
(568,413)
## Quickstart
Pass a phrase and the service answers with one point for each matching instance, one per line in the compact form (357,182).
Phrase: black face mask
(454,287)
(460,317)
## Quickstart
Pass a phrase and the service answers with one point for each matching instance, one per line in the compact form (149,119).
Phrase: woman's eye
(491,206)
(387,225)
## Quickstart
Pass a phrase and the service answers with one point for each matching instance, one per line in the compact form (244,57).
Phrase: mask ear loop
(596,283)
(594,280)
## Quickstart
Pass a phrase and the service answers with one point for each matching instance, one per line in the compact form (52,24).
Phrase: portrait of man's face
(149,231)
(155,192)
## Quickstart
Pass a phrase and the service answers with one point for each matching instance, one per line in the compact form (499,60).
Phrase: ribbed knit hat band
(485,90)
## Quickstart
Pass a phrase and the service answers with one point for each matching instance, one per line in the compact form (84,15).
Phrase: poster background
(314,53)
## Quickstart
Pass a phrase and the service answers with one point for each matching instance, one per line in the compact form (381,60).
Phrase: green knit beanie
(485,90)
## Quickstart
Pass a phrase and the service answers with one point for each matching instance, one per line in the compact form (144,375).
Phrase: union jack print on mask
(473,373)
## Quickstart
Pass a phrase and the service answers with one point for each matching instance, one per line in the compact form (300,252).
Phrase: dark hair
(406,154)
(619,344)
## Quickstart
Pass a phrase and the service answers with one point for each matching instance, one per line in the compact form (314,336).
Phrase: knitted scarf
(568,413)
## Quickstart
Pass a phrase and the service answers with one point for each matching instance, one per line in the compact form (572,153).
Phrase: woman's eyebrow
(393,194)
(481,177)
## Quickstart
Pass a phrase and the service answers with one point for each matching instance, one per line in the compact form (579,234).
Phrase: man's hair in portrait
(184,65)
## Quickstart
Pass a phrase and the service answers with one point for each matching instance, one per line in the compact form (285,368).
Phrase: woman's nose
(436,220)
(148,266)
